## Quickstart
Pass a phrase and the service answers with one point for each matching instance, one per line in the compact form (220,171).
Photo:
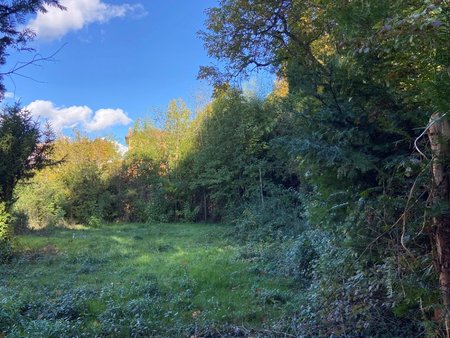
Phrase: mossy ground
(165,280)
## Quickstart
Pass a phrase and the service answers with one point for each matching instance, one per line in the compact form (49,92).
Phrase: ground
(122,280)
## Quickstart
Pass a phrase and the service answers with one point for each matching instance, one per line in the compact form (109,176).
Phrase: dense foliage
(76,188)
(364,77)
(24,148)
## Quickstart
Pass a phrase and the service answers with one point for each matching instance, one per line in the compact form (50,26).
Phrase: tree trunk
(439,135)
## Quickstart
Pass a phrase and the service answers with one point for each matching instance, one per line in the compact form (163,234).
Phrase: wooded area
(338,180)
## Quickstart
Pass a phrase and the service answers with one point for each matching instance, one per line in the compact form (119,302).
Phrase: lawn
(131,280)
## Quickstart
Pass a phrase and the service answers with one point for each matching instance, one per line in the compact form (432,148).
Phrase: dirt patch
(34,255)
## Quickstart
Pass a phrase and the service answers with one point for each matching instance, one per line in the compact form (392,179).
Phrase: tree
(143,172)
(20,152)
(439,134)
(229,154)
(13,35)
(24,148)
(77,189)
(364,78)
(177,121)
(259,34)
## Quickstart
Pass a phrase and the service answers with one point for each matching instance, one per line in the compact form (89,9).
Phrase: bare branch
(34,61)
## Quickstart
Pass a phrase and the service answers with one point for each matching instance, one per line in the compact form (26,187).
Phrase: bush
(20,222)
(187,214)
(94,222)
(158,209)
(86,193)
(5,234)
(41,202)
(278,218)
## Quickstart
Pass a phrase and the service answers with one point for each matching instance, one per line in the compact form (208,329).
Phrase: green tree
(15,125)
(75,189)
(85,177)
(364,79)
(152,182)
(23,149)
(143,173)
(176,126)
(230,155)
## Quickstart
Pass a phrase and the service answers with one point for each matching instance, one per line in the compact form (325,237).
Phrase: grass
(164,280)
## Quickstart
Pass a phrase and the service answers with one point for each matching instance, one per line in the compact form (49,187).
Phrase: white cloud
(62,118)
(105,118)
(55,23)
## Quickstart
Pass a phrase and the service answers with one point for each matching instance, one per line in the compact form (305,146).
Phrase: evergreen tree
(23,149)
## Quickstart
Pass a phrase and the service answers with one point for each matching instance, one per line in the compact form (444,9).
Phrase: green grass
(165,280)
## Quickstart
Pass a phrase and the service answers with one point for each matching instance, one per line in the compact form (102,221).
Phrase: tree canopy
(367,80)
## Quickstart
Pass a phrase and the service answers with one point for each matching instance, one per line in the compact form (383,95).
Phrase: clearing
(164,280)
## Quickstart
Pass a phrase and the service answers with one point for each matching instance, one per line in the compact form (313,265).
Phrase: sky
(116,61)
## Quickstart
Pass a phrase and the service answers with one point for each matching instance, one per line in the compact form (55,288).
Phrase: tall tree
(24,148)
(20,152)
(177,125)
(364,77)
(21,146)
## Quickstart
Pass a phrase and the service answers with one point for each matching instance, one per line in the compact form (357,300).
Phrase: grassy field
(131,280)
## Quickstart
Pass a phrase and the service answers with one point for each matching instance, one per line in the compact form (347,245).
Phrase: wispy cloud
(62,118)
(79,13)
(9,95)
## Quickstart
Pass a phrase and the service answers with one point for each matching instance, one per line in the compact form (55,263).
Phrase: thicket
(247,163)
(367,81)
(74,189)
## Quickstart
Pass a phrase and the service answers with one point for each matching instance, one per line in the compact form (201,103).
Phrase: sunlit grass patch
(134,279)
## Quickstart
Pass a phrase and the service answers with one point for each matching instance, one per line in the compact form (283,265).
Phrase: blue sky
(120,61)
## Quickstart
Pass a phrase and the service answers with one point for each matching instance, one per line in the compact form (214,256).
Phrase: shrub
(187,213)
(94,222)
(20,221)
(159,208)
(278,218)
(5,234)
(41,202)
